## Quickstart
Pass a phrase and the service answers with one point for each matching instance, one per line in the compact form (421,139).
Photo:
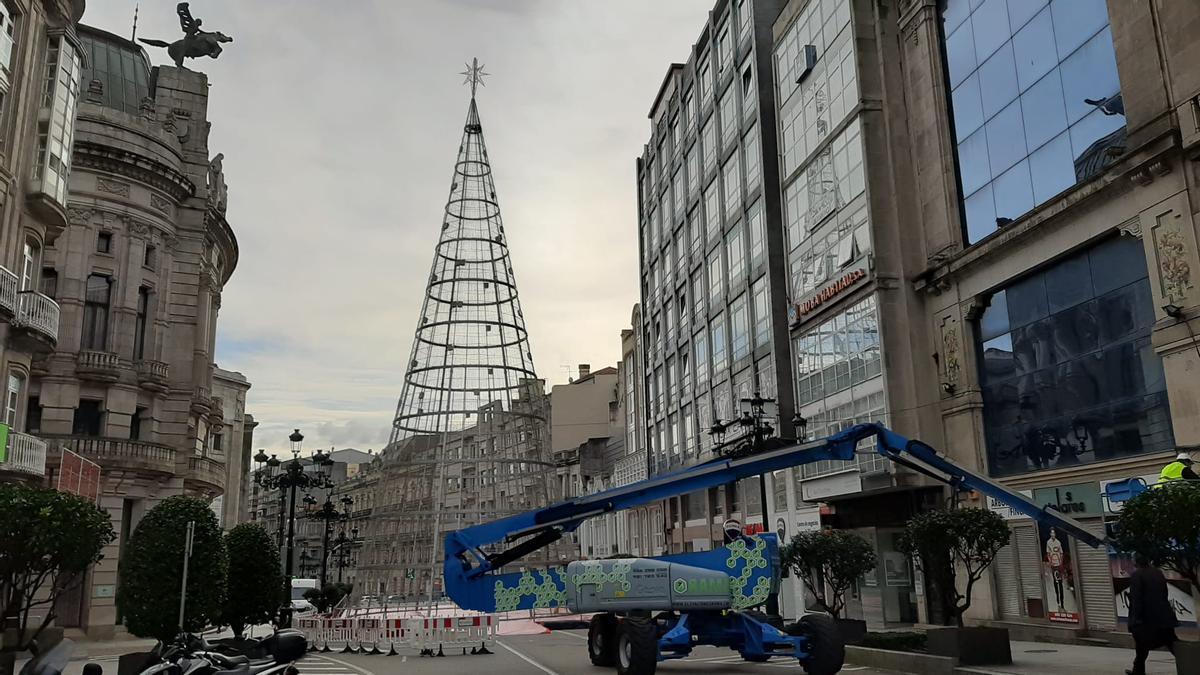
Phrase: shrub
(152,568)
(255,584)
(1164,525)
(833,558)
(943,542)
(47,541)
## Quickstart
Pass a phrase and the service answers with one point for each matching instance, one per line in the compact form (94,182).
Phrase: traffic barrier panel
(433,636)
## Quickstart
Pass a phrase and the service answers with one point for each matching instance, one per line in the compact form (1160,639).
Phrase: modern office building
(712,259)
(1051,152)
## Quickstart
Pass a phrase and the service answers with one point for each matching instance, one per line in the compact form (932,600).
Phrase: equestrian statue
(195,42)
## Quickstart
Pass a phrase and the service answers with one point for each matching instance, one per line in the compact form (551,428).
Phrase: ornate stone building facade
(137,269)
(40,69)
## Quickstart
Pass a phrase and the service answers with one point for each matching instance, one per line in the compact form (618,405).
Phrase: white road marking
(577,636)
(328,667)
(528,660)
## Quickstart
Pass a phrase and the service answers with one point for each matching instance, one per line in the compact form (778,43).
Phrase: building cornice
(90,155)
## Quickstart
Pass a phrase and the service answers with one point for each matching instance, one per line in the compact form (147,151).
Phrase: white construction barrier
(431,636)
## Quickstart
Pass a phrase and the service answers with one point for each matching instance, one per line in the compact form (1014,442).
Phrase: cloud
(340,123)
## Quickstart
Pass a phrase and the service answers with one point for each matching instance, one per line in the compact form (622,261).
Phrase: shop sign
(808,305)
(845,483)
(808,520)
(1007,512)
(752,528)
(1080,500)
(104,590)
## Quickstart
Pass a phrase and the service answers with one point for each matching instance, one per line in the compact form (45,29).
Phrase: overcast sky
(340,120)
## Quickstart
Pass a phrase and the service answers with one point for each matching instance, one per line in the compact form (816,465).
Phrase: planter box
(973,646)
(852,631)
(1187,657)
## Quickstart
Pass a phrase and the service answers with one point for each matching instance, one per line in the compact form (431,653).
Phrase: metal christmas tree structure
(469,441)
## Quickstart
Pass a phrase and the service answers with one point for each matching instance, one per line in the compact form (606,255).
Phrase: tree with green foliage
(152,568)
(325,599)
(254,591)
(944,542)
(48,539)
(829,559)
(1164,525)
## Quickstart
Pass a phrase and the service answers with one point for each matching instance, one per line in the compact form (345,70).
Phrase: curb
(904,662)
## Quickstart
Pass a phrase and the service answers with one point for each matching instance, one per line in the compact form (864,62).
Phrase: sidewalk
(1041,658)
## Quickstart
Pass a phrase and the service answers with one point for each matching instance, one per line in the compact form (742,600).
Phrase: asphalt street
(559,653)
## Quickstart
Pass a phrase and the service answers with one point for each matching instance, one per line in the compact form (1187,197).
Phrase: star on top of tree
(474,75)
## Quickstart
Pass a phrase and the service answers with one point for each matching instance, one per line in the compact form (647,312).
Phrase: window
(759,294)
(88,418)
(753,154)
(150,257)
(670,316)
(104,242)
(33,415)
(700,356)
(680,197)
(49,283)
(708,144)
(675,144)
(744,20)
(1020,82)
(30,260)
(739,322)
(684,311)
(685,376)
(698,295)
(728,116)
(135,424)
(695,235)
(95,312)
(779,480)
(704,76)
(732,178)
(140,323)
(716,280)
(692,162)
(689,431)
(839,354)
(673,432)
(12,402)
(758,244)
(57,128)
(689,111)
(1069,375)
(749,96)
(724,49)
(719,353)
(7,28)
(737,257)
(712,211)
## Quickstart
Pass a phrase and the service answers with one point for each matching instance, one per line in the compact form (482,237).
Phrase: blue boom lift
(699,598)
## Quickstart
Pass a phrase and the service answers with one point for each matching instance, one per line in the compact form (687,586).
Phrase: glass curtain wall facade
(1035,99)
(706,284)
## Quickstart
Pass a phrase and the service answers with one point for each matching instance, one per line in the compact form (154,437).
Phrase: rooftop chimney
(585,369)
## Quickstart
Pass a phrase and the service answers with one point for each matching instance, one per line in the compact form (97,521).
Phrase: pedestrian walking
(1151,618)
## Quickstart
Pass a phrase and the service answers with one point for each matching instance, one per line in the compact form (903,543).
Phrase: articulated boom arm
(466,561)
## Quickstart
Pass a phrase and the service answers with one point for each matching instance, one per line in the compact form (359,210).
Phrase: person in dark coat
(1151,618)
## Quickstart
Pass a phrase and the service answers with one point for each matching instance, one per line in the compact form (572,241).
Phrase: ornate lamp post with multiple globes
(290,477)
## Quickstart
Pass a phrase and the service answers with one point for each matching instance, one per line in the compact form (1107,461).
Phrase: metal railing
(26,454)
(121,452)
(39,312)
(8,290)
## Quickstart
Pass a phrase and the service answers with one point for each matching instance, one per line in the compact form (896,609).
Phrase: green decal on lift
(681,586)
(755,558)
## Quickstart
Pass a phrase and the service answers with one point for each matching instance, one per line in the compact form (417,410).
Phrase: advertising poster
(1058,577)
(1179,591)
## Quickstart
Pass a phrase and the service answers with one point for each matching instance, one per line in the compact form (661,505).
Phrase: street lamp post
(342,545)
(288,478)
(328,513)
(758,435)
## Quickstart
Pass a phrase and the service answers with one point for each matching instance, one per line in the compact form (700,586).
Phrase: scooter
(191,655)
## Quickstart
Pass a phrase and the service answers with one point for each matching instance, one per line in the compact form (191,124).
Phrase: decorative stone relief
(160,203)
(1131,228)
(114,187)
(1174,270)
(139,228)
(951,337)
(79,216)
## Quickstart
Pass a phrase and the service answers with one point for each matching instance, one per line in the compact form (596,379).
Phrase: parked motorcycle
(49,661)
(191,655)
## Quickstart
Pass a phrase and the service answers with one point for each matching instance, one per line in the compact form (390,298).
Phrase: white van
(302,606)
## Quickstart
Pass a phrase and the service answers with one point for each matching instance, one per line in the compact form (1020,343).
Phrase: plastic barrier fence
(431,637)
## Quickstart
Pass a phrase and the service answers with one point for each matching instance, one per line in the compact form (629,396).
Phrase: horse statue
(195,42)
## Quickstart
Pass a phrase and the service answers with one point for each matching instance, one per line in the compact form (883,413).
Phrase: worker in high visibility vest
(1180,469)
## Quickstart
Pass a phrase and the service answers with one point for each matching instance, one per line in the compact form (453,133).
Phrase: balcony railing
(8,291)
(207,470)
(101,365)
(122,453)
(153,373)
(39,313)
(26,454)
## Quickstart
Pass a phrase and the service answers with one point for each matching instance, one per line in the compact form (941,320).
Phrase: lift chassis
(654,609)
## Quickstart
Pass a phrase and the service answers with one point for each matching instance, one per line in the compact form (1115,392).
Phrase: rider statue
(195,42)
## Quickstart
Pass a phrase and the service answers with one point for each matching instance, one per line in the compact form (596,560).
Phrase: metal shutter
(1029,561)
(1095,575)
(1008,584)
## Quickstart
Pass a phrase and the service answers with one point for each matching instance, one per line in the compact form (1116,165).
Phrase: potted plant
(1164,526)
(828,562)
(949,546)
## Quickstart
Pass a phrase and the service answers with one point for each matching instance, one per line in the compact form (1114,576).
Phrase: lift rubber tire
(761,618)
(637,646)
(602,640)
(826,651)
